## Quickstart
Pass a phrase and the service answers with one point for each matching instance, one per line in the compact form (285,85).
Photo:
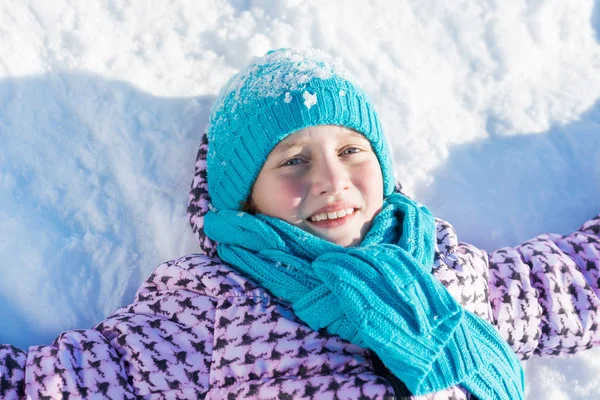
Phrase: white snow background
(491,107)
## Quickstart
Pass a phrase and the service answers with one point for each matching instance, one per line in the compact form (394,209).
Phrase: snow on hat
(276,95)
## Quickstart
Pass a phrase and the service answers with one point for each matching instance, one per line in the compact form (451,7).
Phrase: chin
(347,242)
(354,243)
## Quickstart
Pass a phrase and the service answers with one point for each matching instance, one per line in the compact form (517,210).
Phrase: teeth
(332,215)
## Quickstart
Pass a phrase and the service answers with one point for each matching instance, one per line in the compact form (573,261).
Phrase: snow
(271,76)
(309,99)
(492,109)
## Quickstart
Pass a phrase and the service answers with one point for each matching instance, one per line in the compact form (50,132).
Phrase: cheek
(287,195)
(280,198)
(370,184)
(293,190)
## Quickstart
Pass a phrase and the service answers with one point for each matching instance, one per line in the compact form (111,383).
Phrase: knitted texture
(276,95)
(380,295)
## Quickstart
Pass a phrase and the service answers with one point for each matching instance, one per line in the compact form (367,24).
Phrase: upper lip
(333,207)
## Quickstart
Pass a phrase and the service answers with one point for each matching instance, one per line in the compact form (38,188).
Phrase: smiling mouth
(332,215)
(332,219)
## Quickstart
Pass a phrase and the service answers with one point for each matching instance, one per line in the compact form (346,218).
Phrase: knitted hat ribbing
(276,95)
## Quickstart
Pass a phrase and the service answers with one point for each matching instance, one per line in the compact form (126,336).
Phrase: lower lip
(332,223)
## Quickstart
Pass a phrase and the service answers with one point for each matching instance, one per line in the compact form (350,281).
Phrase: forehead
(319,133)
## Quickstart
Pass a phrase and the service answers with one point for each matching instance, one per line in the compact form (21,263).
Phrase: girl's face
(325,180)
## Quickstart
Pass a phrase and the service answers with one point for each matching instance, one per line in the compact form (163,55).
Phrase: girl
(318,278)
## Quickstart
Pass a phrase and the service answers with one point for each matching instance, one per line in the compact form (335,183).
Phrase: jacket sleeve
(12,372)
(544,293)
(159,343)
(79,364)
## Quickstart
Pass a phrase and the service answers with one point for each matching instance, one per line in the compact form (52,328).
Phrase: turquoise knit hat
(276,95)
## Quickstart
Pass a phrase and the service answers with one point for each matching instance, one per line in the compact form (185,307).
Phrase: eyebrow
(281,147)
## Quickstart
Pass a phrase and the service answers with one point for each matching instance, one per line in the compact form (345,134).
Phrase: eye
(291,162)
(351,150)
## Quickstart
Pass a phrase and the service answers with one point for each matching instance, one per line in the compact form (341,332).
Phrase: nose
(329,177)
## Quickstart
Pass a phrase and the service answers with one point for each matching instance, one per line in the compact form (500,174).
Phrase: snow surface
(492,109)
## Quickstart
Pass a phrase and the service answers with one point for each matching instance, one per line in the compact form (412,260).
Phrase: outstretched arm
(545,293)
(12,372)
(159,343)
(79,364)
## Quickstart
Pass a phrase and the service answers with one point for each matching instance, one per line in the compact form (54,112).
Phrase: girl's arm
(544,293)
(149,346)
(12,372)
(78,364)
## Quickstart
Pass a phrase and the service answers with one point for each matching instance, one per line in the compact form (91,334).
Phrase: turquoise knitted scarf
(380,295)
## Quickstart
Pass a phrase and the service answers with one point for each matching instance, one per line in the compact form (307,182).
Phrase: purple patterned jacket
(198,329)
